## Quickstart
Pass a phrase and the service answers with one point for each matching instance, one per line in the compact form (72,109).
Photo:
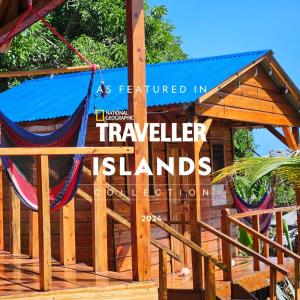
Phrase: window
(218,158)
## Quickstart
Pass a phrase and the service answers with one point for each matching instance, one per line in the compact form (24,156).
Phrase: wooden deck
(243,274)
(19,279)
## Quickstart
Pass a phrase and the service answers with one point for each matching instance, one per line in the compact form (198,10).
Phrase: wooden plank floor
(19,275)
(242,273)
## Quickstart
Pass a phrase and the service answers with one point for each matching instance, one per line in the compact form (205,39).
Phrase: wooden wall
(119,237)
(253,99)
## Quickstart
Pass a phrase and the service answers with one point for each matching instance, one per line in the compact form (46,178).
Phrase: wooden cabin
(225,92)
(100,245)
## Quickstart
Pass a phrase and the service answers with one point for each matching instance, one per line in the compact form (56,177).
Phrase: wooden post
(273,282)
(297,280)
(195,216)
(67,234)
(15,223)
(44,223)
(100,253)
(1,209)
(140,231)
(195,209)
(210,280)
(33,246)
(226,247)
(163,275)
(298,218)
(279,236)
(256,241)
(266,250)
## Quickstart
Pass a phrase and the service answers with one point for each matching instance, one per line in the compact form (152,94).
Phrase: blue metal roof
(57,96)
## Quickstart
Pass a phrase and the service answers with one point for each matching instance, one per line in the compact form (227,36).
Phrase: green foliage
(287,234)
(97,28)
(245,238)
(243,144)
(252,182)
(255,169)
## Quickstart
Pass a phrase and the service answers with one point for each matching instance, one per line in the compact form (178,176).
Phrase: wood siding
(250,98)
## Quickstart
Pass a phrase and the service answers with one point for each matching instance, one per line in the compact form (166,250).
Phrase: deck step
(238,292)
(186,294)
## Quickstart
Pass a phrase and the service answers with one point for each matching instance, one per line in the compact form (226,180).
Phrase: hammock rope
(266,202)
(64,170)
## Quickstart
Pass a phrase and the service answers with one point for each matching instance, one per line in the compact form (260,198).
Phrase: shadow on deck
(19,279)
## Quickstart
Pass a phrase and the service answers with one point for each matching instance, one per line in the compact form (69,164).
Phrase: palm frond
(254,168)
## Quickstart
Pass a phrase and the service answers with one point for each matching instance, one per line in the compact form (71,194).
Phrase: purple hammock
(266,202)
(64,170)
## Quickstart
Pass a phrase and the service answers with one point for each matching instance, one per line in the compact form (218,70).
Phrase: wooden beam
(115,216)
(251,213)
(15,223)
(116,192)
(295,131)
(226,247)
(44,72)
(277,134)
(67,234)
(1,209)
(285,79)
(231,79)
(33,247)
(189,243)
(273,283)
(266,247)
(279,236)
(140,231)
(289,138)
(44,223)
(163,276)
(297,280)
(195,209)
(297,190)
(100,252)
(23,151)
(84,195)
(210,280)
(174,201)
(245,115)
(43,7)
(265,239)
(256,241)
(242,247)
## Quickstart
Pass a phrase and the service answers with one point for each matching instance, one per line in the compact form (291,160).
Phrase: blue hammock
(64,170)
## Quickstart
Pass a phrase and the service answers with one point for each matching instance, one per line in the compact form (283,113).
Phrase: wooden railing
(209,261)
(227,241)
(227,219)
(121,220)
(44,230)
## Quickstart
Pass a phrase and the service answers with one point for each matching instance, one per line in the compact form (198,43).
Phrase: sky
(220,27)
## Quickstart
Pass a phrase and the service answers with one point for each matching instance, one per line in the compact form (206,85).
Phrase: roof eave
(233,77)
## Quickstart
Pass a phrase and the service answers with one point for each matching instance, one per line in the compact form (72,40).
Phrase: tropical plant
(286,167)
(243,147)
(97,29)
